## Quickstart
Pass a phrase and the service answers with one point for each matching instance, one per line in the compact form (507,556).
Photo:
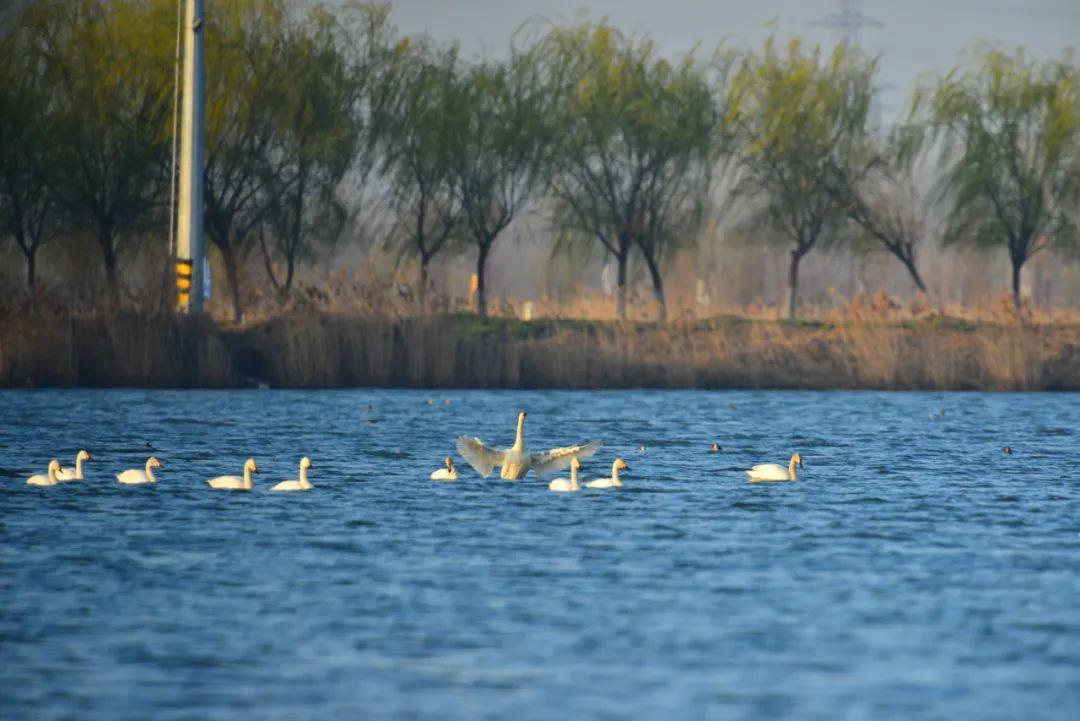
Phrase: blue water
(913,571)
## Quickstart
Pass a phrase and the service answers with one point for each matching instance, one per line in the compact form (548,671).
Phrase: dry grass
(870,345)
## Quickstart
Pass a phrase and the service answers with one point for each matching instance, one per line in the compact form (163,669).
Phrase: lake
(913,571)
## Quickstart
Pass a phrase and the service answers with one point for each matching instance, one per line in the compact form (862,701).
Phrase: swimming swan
(47,480)
(135,476)
(301,485)
(517,461)
(775,472)
(236,483)
(567,485)
(445,474)
(66,474)
(612,482)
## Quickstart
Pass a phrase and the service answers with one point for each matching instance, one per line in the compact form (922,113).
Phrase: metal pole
(189,261)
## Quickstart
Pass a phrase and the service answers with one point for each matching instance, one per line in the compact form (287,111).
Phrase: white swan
(46,480)
(301,485)
(445,474)
(236,483)
(66,474)
(567,485)
(517,461)
(135,476)
(774,471)
(613,482)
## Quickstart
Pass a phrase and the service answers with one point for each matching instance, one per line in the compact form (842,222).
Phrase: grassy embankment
(317,349)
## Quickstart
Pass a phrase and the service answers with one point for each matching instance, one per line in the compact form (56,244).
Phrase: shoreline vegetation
(309,348)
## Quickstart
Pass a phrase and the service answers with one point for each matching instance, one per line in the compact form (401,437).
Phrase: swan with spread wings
(517,460)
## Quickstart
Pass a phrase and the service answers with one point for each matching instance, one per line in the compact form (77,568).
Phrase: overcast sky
(915,35)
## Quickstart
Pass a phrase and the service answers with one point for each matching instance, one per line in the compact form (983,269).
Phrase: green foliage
(637,138)
(417,152)
(1010,130)
(499,141)
(105,62)
(799,116)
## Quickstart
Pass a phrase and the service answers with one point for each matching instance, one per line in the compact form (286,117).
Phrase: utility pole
(190,249)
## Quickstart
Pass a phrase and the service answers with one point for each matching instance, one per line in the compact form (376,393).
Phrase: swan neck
(573,478)
(303,477)
(247,478)
(52,475)
(78,466)
(519,439)
(150,471)
(791,468)
(615,472)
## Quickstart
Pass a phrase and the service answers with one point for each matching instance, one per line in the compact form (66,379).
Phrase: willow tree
(799,116)
(245,44)
(499,141)
(635,139)
(1011,133)
(417,155)
(109,63)
(29,209)
(884,198)
(317,136)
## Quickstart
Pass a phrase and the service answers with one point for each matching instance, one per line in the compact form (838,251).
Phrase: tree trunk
(421,294)
(1017,265)
(108,255)
(909,263)
(658,287)
(481,264)
(622,258)
(31,270)
(232,272)
(290,271)
(793,283)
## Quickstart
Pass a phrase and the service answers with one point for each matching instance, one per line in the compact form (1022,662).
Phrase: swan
(46,480)
(66,474)
(301,485)
(135,476)
(613,482)
(774,471)
(445,474)
(516,461)
(236,483)
(567,485)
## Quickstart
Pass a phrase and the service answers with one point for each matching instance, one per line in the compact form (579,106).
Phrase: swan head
(715,448)
(449,462)
(797,460)
(82,456)
(305,463)
(153,463)
(249,465)
(575,463)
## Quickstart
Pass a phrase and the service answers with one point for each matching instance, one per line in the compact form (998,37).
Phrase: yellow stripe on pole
(183,298)
(183,268)
(183,283)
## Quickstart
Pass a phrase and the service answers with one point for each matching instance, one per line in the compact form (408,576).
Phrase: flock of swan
(514,463)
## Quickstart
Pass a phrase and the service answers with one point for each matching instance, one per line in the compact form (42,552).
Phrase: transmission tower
(847,23)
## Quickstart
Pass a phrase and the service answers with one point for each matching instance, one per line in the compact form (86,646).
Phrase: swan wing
(479,456)
(557,459)
(66,474)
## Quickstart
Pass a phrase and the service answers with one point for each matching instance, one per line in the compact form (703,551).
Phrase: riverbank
(319,350)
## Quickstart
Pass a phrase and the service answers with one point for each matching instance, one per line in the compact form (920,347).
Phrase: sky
(915,36)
